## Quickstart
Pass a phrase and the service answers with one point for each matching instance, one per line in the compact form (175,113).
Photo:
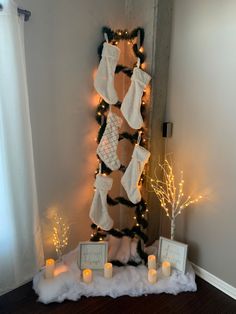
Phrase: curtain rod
(20,11)
(26,13)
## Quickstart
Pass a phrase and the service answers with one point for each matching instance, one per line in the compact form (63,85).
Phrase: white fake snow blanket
(128,280)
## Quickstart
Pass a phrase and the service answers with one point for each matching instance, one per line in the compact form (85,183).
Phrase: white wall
(201,104)
(61,52)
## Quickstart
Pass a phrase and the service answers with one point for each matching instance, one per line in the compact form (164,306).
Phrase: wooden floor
(206,300)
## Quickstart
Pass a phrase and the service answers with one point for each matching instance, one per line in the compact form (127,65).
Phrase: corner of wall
(160,72)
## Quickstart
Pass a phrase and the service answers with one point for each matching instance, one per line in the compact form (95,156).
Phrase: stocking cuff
(103,182)
(141,76)
(114,119)
(111,51)
(141,154)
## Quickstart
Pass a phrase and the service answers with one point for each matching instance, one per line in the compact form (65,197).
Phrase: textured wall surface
(201,103)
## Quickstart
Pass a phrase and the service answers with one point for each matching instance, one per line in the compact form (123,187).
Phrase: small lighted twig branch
(60,231)
(171,193)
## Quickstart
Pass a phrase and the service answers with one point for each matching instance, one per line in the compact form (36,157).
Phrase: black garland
(140,208)
(103,107)
(101,116)
(115,36)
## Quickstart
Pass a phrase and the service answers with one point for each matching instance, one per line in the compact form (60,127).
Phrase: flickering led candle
(152,276)
(152,264)
(87,275)
(49,268)
(166,268)
(108,270)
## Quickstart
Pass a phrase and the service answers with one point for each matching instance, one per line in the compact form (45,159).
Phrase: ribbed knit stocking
(131,177)
(98,211)
(131,104)
(104,79)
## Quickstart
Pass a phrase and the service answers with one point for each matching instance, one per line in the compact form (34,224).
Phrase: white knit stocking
(98,211)
(104,79)
(133,172)
(123,254)
(131,104)
(107,147)
(134,256)
(113,247)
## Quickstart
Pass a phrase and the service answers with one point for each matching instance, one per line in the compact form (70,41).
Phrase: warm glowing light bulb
(141,49)
(50,261)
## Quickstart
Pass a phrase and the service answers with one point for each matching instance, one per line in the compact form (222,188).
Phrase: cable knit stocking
(107,147)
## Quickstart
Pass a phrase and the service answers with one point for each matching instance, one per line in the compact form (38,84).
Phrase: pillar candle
(87,275)
(152,276)
(49,268)
(152,264)
(108,270)
(166,268)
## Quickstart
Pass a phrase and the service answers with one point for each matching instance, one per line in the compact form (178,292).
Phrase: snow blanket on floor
(129,280)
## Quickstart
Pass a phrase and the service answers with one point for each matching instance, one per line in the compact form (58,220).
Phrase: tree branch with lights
(60,230)
(170,193)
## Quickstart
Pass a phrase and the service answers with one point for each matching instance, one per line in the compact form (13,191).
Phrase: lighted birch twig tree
(60,230)
(170,193)
(60,235)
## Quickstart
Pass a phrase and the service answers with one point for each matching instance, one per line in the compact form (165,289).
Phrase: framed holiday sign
(92,255)
(173,252)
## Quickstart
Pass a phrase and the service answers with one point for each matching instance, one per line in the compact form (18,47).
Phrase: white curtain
(21,251)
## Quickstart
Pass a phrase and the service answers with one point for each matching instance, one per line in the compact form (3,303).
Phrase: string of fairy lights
(134,38)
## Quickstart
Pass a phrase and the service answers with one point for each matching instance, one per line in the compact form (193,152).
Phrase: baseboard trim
(16,287)
(215,281)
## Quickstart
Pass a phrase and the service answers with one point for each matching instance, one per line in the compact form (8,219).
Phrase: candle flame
(50,261)
(87,271)
(108,265)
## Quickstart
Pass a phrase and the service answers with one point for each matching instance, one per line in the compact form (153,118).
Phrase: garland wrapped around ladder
(113,37)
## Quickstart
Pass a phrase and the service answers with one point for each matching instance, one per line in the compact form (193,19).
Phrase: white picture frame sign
(173,252)
(92,255)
